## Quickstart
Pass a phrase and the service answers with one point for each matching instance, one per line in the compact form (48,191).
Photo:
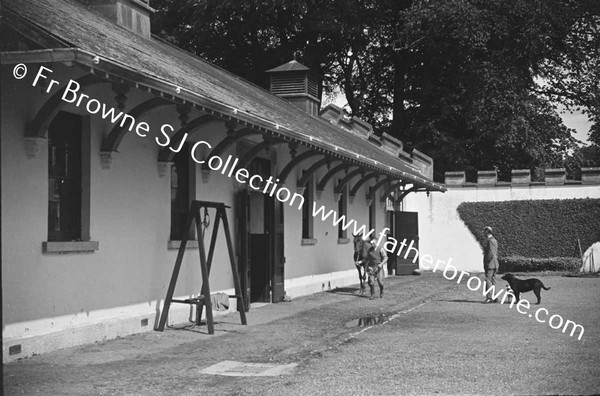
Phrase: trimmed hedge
(523,264)
(535,228)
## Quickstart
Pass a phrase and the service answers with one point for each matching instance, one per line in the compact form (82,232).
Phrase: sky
(579,122)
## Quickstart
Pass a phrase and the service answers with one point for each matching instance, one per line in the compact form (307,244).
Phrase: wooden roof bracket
(301,183)
(376,187)
(253,152)
(37,130)
(232,137)
(405,193)
(325,179)
(112,141)
(167,153)
(295,161)
(362,181)
(391,188)
(340,186)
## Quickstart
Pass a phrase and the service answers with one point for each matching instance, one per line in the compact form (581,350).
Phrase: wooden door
(259,215)
(277,252)
(243,203)
(407,227)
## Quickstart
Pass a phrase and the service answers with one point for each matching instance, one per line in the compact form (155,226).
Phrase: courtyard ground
(428,335)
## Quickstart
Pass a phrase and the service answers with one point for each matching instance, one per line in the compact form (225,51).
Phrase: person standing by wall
(490,260)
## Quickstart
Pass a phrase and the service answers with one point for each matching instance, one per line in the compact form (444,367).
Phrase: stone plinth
(520,176)
(555,176)
(455,178)
(590,175)
(488,178)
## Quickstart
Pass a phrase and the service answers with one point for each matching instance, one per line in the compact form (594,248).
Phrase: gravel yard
(427,335)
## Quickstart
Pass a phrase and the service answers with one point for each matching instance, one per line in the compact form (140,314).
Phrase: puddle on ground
(368,321)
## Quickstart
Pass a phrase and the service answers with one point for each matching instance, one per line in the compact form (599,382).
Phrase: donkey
(359,255)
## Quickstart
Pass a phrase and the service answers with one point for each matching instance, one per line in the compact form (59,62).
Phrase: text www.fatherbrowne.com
(71,94)
(474,283)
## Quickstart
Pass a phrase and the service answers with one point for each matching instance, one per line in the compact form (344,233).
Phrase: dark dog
(519,286)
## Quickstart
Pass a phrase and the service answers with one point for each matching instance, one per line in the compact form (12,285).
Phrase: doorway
(260,245)
(406,227)
(261,249)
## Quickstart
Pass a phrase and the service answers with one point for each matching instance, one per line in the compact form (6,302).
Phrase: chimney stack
(133,15)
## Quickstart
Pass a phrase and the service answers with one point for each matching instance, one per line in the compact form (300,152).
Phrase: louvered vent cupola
(296,83)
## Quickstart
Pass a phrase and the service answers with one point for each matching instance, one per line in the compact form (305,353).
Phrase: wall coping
(553,177)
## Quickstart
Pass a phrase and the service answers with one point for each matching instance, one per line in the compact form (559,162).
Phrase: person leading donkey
(374,259)
(359,253)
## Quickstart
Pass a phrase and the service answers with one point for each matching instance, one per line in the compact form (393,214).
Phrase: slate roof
(85,30)
(293,65)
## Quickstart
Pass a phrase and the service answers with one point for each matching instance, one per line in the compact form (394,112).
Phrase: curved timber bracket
(36,133)
(298,158)
(404,194)
(340,187)
(112,141)
(359,183)
(301,183)
(390,189)
(232,137)
(325,179)
(167,153)
(376,187)
(253,152)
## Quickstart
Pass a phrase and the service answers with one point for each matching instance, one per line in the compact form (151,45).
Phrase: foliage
(473,83)
(523,264)
(478,103)
(582,157)
(538,229)
(248,37)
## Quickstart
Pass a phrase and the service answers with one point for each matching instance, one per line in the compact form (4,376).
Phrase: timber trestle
(203,300)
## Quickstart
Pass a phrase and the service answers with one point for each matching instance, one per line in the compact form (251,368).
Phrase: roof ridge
(165,62)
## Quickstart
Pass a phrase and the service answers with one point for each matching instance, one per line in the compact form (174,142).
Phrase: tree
(248,37)
(475,98)
(474,83)
(586,156)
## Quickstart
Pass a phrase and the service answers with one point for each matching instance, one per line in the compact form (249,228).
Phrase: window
(372,214)
(307,218)
(342,211)
(260,166)
(65,178)
(182,193)
(69,145)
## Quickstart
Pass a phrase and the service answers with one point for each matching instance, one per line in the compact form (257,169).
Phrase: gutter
(107,68)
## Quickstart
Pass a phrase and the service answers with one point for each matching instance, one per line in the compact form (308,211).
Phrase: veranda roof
(92,40)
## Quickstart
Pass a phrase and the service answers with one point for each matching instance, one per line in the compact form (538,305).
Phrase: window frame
(82,243)
(183,159)
(308,224)
(343,211)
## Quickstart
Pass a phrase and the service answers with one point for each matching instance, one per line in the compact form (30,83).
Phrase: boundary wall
(444,236)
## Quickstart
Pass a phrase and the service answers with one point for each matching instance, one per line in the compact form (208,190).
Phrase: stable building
(109,134)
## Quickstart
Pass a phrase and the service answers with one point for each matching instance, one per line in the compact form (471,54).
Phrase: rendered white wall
(57,300)
(444,235)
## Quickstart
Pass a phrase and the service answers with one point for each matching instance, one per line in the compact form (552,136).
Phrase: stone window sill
(173,245)
(308,241)
(70,247)
(343,241)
